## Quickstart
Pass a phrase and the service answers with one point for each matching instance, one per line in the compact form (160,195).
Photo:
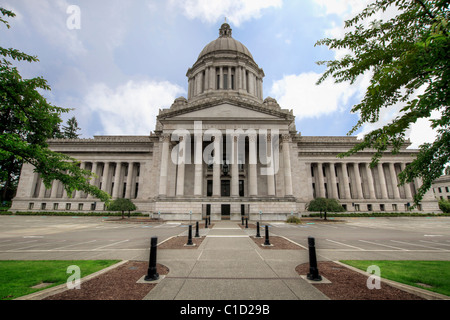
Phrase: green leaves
(408,59)
(27,120)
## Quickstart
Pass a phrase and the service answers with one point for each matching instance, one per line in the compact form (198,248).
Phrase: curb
(63,287)
(426,294)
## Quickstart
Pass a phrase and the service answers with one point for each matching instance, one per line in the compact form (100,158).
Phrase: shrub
(293,219)
(444,205)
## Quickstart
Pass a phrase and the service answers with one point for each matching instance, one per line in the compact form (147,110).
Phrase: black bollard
(246,223)
(197,234)
(190,243)
(242,220)
(258,235)
(313,270)
(206,222)
(152,275)
(267,242)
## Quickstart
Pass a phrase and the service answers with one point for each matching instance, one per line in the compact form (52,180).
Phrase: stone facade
(225,152)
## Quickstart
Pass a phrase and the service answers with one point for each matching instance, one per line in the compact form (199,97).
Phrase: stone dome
(225,43)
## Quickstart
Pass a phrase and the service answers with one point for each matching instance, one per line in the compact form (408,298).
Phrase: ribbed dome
(225,43)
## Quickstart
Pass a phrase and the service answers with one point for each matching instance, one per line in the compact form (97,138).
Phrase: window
(93,206)
(225,190)
(225,81)
(446,189)
(55,206)
(68,206)
(381,207)
(241,188)
(43,206)
(209,188)
(136,191)
(356,207)
(232,82)
(218,82)
(80,207)
(440,190)
(30,206)
(369,207)
(394,207)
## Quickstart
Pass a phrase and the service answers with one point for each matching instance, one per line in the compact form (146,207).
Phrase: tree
(70,131)
(444,205)
(408,59)
(27,120)
(122,205)
(325,205)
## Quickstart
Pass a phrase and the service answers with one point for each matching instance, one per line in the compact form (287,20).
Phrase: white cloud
(236,11)
(419,132)
(344,8)
(308,100)
(49,18)
(130,109)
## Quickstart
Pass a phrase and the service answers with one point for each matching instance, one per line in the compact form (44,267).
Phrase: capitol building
(226,151)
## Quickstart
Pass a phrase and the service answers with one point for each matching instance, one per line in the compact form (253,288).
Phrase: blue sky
(128,59)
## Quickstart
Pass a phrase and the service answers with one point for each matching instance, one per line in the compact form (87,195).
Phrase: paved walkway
(228,265)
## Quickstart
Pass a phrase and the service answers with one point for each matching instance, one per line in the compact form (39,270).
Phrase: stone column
(206,80)
(165,139)
(234,167)
(221,79)
(271,169)
(345,178)
(216,166)
(229,78)
(287,166)
(117,173)
(394,181)
(181,166)
(333,187)
(320,182)
(358,181)
(407,186)
(79,192)
(198,165)
(382,178)
(55,185)
(105,180)
(93,181)
(253,180)
(129,180)
(238,78)
(370,182)
(244,79)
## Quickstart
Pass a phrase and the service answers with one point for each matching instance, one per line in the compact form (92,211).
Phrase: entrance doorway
(226,211)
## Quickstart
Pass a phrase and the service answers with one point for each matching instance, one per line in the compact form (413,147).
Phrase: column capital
(165,137)
(286,137)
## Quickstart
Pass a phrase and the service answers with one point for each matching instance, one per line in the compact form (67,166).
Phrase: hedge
(59,213)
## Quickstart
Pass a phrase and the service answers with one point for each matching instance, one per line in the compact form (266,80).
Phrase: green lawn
(17,277)
(429,275)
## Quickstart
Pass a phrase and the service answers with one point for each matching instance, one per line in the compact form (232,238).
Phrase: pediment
(225,110)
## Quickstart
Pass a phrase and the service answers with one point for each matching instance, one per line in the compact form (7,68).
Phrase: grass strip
(18,277)
(430,275)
